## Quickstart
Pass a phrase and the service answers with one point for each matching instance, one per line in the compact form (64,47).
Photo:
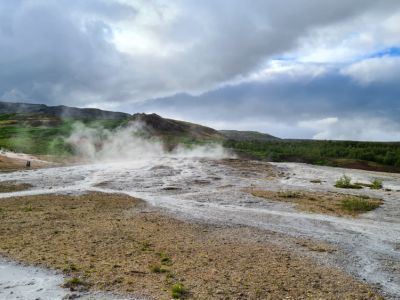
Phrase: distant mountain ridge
(60,111)
(36,115)
(247,135)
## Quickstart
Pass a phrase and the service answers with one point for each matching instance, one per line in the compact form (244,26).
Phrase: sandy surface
(212,192)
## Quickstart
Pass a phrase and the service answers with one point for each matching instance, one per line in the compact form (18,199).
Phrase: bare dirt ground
(115,243)
(10,161)
(211,193)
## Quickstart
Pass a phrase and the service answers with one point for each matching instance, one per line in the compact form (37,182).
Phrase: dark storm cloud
(49,49)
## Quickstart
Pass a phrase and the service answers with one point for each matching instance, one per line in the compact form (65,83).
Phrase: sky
(291,68)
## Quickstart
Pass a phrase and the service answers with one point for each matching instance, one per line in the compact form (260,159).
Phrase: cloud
(302,105)
(318,124)
(359,129)
(235,64)
(378,69)
(92,52)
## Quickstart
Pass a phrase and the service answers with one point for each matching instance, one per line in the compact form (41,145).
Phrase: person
(28,163)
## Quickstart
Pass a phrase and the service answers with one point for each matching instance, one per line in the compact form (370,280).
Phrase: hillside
(156,125)
(60,111)
(42,129)
(247,135)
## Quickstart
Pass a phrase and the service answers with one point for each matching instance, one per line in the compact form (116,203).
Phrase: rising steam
(129,143)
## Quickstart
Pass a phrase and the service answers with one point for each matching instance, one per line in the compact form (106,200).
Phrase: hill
(60,111)
(159,126)
(247,135)
(42,129)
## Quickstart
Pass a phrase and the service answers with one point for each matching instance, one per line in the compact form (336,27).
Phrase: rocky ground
(199,216)
(116,243)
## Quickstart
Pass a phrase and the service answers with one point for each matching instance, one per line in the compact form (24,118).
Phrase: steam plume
(130,143)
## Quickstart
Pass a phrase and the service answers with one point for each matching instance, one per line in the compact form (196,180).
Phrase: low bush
(344,182)
(376,184)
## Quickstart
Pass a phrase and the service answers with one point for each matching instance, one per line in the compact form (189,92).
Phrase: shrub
(376,184)
(344,182)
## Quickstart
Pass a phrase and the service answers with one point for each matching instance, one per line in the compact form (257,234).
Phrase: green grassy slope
(43,134)
(39,134)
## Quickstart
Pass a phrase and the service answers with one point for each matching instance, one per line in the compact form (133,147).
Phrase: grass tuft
(359,205)
(177,290)
(158,269)
(344,182)
(165,259)
(74,283)
(376,184)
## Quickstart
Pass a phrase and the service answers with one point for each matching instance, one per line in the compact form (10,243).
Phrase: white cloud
(130,50)
(318,124)
(378,69)
(359,129)
(351,40)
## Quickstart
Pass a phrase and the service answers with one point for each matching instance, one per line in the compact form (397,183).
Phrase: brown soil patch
(115,243)
(317,202)
(8,164)
(11,186)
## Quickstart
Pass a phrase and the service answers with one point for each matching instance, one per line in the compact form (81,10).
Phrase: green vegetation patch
(376,184)
(177,291)
(344,182)
(360,205)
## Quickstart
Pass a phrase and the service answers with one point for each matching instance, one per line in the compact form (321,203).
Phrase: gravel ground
(212,192)
(114,242)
